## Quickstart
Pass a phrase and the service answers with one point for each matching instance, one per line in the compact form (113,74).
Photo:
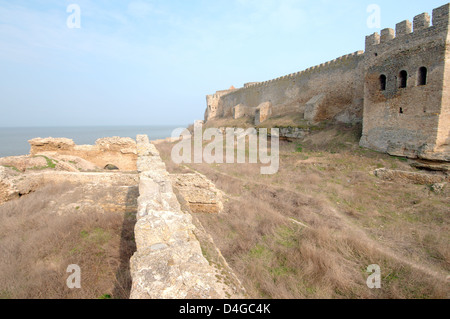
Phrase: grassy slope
(312,230)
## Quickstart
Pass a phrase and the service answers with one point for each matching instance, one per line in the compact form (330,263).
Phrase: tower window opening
(403,79)
(383,82)
(422,76)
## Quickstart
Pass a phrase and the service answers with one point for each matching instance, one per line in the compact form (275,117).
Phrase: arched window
(422,76)
(403,79)
(383,82)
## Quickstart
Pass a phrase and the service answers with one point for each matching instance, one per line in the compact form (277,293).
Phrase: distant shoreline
(14,140)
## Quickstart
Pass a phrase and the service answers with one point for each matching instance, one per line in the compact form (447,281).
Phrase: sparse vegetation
(41,234)
(12,167)
(51,163)
(312,230)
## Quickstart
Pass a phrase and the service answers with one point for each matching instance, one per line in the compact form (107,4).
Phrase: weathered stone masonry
(398,88)
(406,102)
(169,263)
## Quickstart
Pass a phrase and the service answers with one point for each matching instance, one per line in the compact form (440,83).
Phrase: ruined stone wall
(169,263)
(120,152)
(408,121)
(12,186)
(340,81)
(443,134)
(214,104)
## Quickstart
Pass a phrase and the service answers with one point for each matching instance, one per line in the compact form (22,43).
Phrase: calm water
(14,141)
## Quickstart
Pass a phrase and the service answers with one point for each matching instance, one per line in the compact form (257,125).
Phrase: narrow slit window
(422,78)
(403,79)
(383,82)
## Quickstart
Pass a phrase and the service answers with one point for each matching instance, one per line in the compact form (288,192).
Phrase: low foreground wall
(117,151)
(168,263)
(16,185)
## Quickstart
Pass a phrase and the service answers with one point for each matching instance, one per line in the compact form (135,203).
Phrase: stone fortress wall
(405,101)
(367,87)
(338,83)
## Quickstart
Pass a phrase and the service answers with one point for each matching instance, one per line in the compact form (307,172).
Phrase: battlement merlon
(421,23)
(441,16)
(403,28)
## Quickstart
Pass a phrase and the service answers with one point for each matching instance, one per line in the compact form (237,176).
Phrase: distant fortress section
(337,84)
(397,88)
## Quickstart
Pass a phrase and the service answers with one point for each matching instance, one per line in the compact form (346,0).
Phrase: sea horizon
(14,140)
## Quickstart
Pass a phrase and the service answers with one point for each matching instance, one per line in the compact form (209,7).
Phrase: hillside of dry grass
(312,230)
(42,233)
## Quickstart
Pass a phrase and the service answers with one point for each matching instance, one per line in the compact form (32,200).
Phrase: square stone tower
(406,88)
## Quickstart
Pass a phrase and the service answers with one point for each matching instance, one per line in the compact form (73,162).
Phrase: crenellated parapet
(406,31)
(396,87)
(307,72)
(406,104)
(338,78)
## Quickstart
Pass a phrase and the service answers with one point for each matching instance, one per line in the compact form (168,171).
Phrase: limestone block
(116,144)
(200,194)
(163,227)
(178,272)
(263,112)
(149,163)
(50,144)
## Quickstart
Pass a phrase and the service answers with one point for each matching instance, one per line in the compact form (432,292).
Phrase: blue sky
(153,62)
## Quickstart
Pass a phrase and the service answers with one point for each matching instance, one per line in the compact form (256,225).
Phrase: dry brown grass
(352,220)
(37,245)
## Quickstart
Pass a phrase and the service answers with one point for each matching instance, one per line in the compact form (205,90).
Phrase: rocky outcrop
(168,263)
(410,177)
(8,189)
(48,160)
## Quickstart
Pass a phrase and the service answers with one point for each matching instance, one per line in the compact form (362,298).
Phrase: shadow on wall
(122,288)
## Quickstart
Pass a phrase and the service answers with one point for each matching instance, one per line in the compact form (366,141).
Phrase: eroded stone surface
(200,193)
(410,177)
(169,263)
(117,151)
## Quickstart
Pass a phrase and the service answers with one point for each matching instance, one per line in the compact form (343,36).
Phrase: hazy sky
(153,62)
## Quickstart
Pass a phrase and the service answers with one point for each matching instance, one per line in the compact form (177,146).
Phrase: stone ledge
(410,177)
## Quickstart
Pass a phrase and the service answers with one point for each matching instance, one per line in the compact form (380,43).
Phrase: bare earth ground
(312,230)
